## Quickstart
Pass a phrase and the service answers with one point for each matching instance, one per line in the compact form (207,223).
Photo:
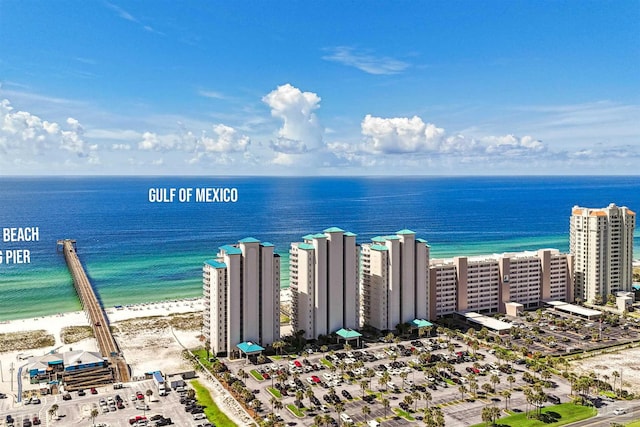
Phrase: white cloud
(23,134)
(211,94)
(400,135)
(301,131)
(365,61)
(225,139)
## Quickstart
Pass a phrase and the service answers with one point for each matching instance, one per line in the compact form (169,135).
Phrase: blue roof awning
(248,347)
(420,323)
(348,333)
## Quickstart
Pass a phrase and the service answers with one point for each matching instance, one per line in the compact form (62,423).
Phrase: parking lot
(77,410)
(391,381)
(553,332)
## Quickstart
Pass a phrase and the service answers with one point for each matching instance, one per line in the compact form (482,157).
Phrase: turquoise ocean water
(138,251)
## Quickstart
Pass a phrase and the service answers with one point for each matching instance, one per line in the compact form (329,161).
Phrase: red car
(140,396)
(297,363)
(93,390)
(315,379)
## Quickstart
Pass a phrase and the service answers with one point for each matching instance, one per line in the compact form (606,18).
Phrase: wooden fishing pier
(94,310)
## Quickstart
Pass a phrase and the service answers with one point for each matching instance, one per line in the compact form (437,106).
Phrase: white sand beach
(147,344)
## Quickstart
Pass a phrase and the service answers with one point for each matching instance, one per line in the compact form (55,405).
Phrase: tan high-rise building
(484,283)
(323,276)
(601,242)
(394,280)
(242,296)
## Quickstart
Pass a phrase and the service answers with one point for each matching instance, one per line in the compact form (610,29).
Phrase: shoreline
(54,324)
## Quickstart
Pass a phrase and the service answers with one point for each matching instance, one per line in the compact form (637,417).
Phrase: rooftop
(405,231)
(421,323)
(348,333)
(306,246)
(215,263)
(379,247)
(334,230)
(231,250)
(486,321)
(249,240)
(574,309)
(248,347)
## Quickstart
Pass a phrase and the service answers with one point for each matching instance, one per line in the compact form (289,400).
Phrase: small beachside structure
(492,324)
(576,310)
(80,359)
(420,324)
(348,335)
(249,348)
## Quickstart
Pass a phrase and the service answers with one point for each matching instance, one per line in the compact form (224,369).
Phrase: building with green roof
(394,280)
(323,277)
(242,297)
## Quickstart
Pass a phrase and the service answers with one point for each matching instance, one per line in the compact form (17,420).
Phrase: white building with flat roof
(601,242)
(242,296)
(323,276)
(394,280)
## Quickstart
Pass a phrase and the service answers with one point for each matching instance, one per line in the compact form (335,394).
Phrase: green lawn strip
(295,410)
(633,424)
(201,354)
(275,392)
(565,413)
(404,414)
(326,363)
(211,410)
(257,375)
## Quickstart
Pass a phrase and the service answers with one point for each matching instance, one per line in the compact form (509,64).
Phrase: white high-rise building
(601,242)
(242,296)
(323,274)
(394,280)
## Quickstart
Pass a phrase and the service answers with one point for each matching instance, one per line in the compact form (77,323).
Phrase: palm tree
(53,410)
(385,405)
(363,386)
(507,395)
(273,401)
(366,411)
(408,400)
(427,397)
(463,390)
(278,346)
(495,380)
(486,415)
(278,405)
(339,407)
(94,414)
(318,419)
(416,396)
(309,393)
(511,379)
(327,419)
(616,376)
(384,379)
(486,387)
(149,393)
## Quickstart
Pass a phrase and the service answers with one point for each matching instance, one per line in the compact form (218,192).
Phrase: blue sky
(319,88)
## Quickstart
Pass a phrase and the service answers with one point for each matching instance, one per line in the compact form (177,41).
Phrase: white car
(199,416)
(346,418)
(619,411)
